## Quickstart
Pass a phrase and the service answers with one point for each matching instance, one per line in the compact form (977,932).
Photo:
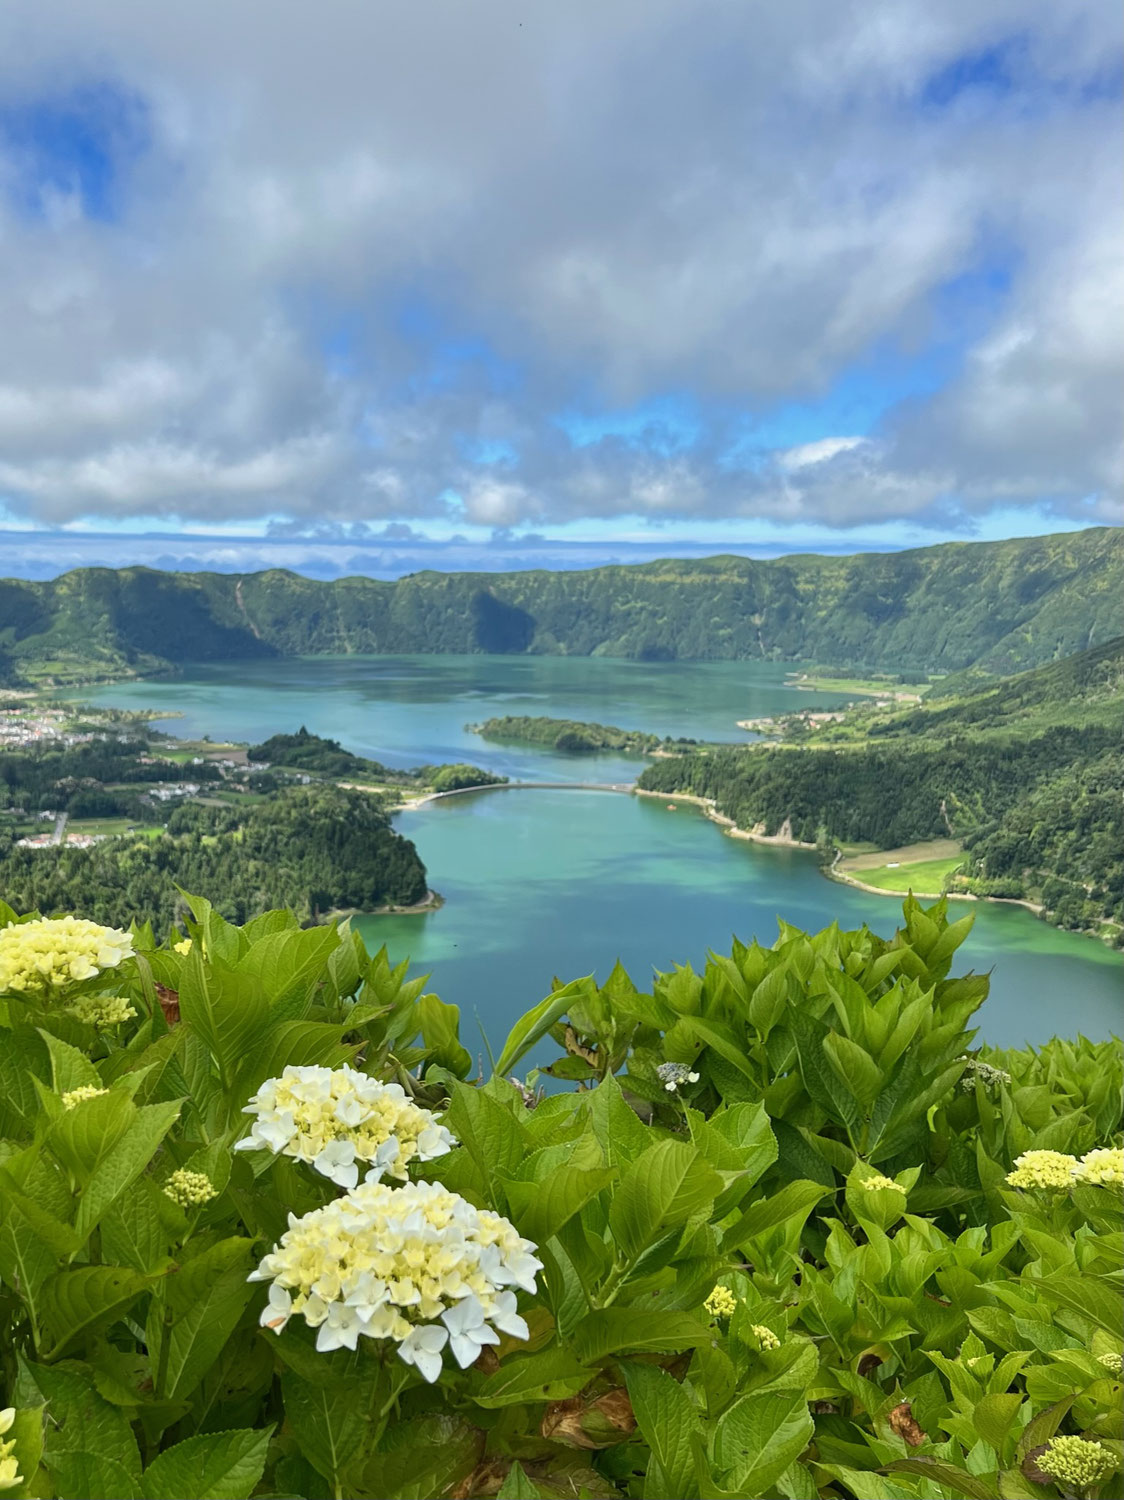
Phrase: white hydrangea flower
(337,1118)
(54,951)
(416,1264)
(673,1075)
(1103,1167)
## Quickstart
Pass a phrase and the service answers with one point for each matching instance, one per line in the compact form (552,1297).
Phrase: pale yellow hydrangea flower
(416,1264)
(1104,1166)
(721,1303)
(1076,1462)
(53,951)
(79,1095)
(1043,1169)
(878,1182)
(334,1118)
(10,1474)
(189,1189)
(102,1010)
(183,946)
(766,1338)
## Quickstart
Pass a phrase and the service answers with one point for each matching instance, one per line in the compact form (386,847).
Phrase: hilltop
(995,607)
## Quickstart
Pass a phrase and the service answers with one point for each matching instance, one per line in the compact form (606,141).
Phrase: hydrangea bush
(776,1229)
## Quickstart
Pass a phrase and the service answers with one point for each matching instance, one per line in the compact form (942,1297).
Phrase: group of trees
(314,849)
(323,757)
(103,777)
(1027,772)
(571,735)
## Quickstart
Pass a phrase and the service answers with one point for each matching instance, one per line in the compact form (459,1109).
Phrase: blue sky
(824,276)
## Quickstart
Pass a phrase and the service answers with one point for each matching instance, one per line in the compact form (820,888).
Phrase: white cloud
(358,239)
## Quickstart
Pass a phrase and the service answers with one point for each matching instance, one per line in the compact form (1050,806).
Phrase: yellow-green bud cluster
(334,1118)
(983,1073)
(54,951)
(1113,1363)
(1103,1167)
(183,946)
(766,1338)
(878,1183)
(1049,1170)
(721,1303)
(1076,1462)
(416,1264)
(102,1010)
(73,1097)
(1055,1171)
(189,1189)
(10,1475)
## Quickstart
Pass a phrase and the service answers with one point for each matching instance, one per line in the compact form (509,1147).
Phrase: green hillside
(1026,773)
(996,607)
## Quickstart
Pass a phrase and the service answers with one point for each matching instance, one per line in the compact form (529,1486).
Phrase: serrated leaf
(757,1438)
(328,1421)
(124,1163)
(551,1375)
(212,1466)
(204,1300)
(792,1204)
(615,1330)
(76,1302)
(668,1420)
(659,1192)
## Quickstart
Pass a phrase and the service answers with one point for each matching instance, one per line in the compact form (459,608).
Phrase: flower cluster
(416,1264)
(336,1117)
(1076,1462)
(673,1075)
(183,946)
(878,1183)
(79,1095)
(721,1303)
(102,1010)
(10,1474)
(977,1071)
(1113,1363)
(1051,1170)
(1104,1167)
(53,951)
(766,1338)
(189,1189)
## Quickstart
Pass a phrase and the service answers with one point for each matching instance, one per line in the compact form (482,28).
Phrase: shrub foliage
(773,1245)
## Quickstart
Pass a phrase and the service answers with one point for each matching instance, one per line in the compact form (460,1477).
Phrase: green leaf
(440,1027)
(971,1486)
(83,1429)
(70,1069)
(1094,1297)
(759,1436)
(212,1466)
(23,1059)
(993,1418)
(659,1192)
(668,1419)
(620,1134)
(93,1475)
(77,1302)
(224,1007)
(791,1205)
(197,1311)
(613,1330)
(516,1486)
(540,1209)
(122,1165)
(536,1023)
(551,1375)
(329,1422)
(854,1067)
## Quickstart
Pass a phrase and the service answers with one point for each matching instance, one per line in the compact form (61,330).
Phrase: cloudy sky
(602,274)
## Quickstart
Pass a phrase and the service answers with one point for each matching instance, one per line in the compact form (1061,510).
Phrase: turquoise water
(540,883)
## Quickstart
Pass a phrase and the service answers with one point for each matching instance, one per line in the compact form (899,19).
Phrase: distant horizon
(41,555)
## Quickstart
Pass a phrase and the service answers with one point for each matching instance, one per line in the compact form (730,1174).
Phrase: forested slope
(995,606)
(1027,773)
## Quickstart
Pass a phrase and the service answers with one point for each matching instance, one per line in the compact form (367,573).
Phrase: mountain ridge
(997,607)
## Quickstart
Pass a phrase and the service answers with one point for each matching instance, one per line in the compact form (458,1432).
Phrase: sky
(377,285)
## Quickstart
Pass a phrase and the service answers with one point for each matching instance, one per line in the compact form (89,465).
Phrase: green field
(927,875)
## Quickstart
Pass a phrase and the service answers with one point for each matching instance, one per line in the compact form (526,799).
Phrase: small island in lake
(575,736)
